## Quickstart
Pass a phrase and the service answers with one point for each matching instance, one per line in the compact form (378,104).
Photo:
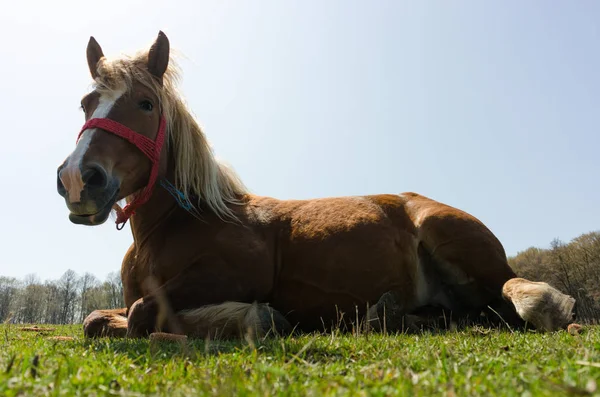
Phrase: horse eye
(146,105)
(82,107)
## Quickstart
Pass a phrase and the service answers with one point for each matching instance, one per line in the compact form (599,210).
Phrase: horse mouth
(97,218)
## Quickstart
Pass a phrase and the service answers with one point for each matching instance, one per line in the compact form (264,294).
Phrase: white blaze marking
(71,174)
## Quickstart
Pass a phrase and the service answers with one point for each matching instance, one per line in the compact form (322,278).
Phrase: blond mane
(197,171)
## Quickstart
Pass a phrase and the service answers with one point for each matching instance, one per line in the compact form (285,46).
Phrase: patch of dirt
(61,338)
(165,337)
(35,328)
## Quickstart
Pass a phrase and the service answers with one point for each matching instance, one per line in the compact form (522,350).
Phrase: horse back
(341,254)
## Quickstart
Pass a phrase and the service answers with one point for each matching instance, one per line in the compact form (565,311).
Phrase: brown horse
(209,258)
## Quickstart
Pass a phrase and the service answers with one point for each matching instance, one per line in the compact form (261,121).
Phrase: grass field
(477,361)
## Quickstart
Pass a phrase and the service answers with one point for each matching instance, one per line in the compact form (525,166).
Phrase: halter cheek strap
(147,146)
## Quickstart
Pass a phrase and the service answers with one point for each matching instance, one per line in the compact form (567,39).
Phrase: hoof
(540,304)
(575,329)
(386,315)
(103,323)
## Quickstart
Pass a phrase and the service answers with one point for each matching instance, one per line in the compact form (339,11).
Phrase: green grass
(472,362)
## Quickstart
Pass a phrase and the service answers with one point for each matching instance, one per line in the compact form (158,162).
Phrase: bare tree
(68,285)
(573,267)
(87,303)
(9,287)
(53,305)
(115,290)
(30,301)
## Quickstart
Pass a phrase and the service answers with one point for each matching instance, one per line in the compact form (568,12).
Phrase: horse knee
(143,319)
(105,323)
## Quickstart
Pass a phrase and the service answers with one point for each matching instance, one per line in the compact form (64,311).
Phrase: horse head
(118,151)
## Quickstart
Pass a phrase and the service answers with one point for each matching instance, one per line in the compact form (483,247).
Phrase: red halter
(150,148)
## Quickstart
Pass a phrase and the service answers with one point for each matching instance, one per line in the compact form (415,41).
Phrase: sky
(491,107)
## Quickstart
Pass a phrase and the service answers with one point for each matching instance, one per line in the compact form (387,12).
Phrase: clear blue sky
(492,107)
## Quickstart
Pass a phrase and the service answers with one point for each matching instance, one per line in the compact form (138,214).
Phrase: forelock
(124,72)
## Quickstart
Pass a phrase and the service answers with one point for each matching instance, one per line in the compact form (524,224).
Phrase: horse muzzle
(89,193)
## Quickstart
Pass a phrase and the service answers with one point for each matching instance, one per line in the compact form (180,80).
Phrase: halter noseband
(149,147)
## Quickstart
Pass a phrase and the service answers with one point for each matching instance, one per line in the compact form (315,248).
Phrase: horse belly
(329,282)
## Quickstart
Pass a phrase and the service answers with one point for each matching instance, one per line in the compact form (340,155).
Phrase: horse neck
(161,205)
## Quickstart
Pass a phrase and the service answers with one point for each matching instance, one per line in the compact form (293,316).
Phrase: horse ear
(158,56)
(94,54)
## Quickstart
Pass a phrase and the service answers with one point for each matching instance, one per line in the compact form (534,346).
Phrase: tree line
(67,300)
(573,268)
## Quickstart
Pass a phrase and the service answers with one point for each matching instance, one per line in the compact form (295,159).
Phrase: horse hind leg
(472,262)
(466,297)
(412,306)
(106,323)
(444,296)
(469,298)
(467,256)
(518,301)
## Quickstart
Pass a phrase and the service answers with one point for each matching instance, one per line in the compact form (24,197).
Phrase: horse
(211,259)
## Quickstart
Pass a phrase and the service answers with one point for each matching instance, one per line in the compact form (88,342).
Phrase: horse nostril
(95,177)
(60,187)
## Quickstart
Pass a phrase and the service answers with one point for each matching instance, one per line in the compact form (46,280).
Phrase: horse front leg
(106,323)
(203,305)
(217,321)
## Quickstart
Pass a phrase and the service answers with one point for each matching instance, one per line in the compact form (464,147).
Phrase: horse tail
(233,320)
